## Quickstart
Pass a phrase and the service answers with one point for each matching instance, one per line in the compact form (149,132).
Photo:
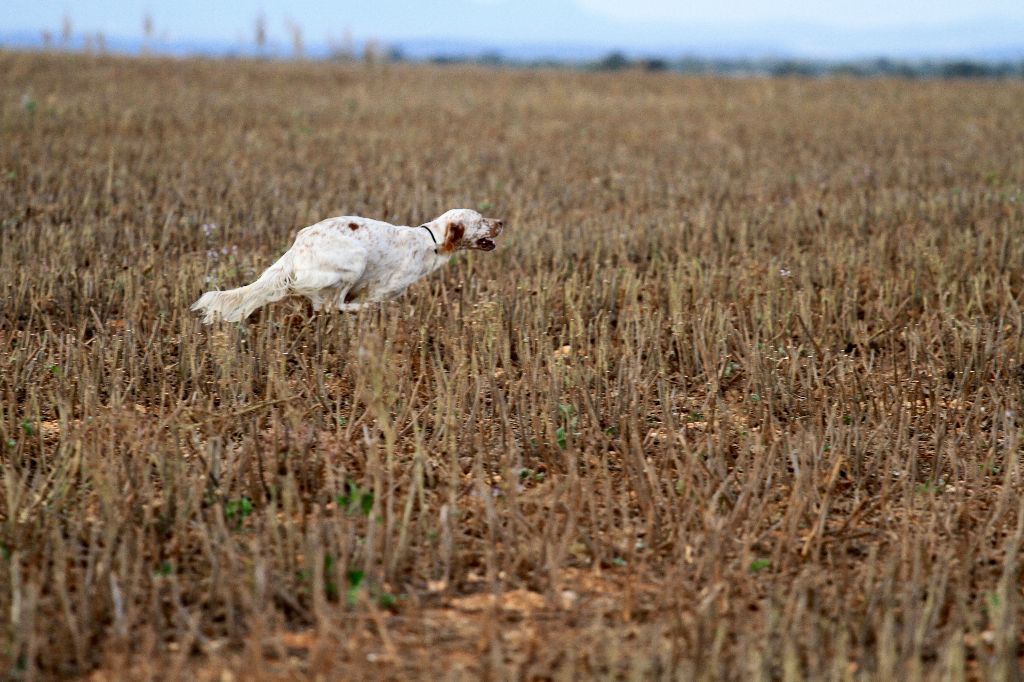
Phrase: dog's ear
(452,236)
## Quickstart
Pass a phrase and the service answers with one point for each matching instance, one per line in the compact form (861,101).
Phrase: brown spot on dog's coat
(452,236)
(353,226)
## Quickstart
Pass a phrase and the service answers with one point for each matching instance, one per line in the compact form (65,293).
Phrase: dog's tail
(235,305)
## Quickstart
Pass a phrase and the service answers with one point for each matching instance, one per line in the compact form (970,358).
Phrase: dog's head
(466,229)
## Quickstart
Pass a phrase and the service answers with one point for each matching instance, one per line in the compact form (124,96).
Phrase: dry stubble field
(738,396)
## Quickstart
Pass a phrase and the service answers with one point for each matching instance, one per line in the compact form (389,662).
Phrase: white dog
(349,261)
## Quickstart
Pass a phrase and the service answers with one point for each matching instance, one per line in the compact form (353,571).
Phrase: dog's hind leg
(317,300)
(321,274)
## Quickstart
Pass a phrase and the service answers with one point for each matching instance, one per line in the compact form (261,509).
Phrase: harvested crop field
(739,394)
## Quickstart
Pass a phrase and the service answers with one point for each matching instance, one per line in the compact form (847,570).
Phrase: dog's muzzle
(487,243)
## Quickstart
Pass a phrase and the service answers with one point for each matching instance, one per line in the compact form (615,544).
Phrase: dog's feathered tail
(235,305)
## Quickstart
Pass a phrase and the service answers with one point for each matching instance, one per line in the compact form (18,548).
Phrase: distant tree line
(951,68)
(865,68)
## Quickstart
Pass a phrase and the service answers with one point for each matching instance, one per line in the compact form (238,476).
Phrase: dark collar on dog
(432,237)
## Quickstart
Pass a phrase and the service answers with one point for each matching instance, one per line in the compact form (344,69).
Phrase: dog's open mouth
(485,244)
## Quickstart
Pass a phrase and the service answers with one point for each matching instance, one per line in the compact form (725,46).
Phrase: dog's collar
(432,237)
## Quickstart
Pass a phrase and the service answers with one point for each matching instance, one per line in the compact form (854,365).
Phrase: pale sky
(855,14)
(801,26)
